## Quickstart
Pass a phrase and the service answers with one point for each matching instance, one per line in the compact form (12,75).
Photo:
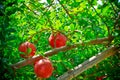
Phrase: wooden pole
(88,64)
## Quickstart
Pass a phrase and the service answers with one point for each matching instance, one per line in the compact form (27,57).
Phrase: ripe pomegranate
(28,48)
(57,40)
(43,68)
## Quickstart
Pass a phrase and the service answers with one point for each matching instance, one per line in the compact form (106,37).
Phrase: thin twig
(44,29)
(65,9)
(31,9)
(116,22)
(113,8)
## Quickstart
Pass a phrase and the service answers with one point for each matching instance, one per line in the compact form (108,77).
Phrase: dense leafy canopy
(79,20)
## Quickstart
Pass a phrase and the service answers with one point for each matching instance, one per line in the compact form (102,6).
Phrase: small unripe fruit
(101,77)
(57,40)
(43,68)
(28,48)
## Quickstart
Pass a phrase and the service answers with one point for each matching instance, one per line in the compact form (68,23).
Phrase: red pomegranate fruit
(57,40)
(43,68)
(28,48)
(101,77)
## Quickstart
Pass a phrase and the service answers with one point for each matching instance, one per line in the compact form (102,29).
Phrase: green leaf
(72,27)
(49,1)
(19,1)
(66,28)
(28,51)
(31,32)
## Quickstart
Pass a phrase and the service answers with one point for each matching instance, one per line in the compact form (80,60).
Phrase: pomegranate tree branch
(100,17)
(88,64)
(56,50)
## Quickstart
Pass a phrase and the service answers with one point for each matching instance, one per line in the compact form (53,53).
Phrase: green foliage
(79,20)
